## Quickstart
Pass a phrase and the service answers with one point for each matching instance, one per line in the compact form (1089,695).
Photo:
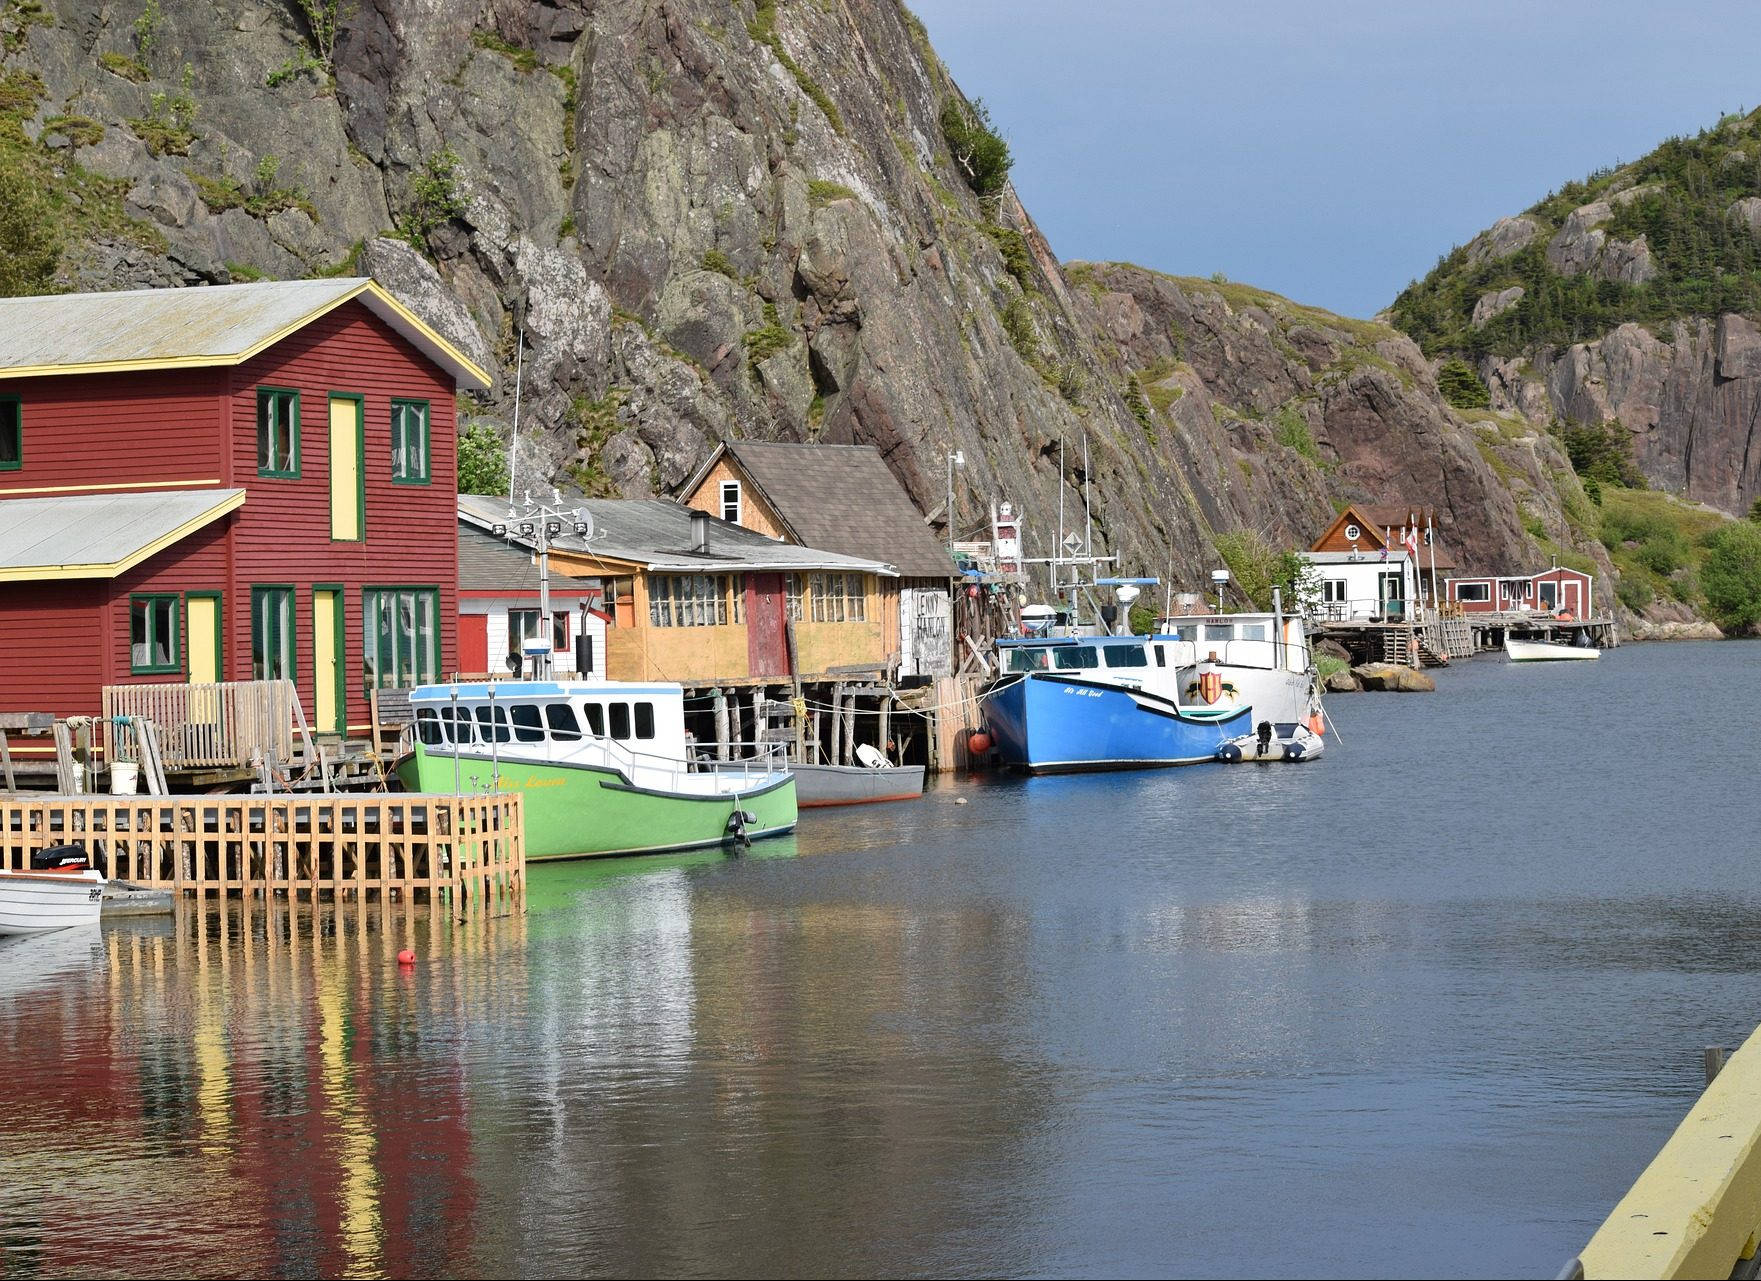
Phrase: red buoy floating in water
(406,957)
(978,742)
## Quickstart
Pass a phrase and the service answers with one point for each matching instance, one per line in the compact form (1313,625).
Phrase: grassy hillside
(1707,256)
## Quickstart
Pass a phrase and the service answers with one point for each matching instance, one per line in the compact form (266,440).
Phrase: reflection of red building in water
(268,1107)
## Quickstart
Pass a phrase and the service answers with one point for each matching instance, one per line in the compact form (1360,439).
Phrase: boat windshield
(1027,659)
(1127,656)
(1069,658)
(472,724)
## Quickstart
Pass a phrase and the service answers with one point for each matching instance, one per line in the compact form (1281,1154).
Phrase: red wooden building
(1552,591)
(242,482)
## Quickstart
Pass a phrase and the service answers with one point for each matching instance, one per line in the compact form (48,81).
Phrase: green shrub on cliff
(1730,576)
(1461,386)
(30,239)
(483,460)
(978,149)
(1600,452)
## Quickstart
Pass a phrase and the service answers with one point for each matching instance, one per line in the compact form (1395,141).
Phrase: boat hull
(1044,724)
(819,785)
(586,811)
(1290,743)
(37,902)
(1546,652)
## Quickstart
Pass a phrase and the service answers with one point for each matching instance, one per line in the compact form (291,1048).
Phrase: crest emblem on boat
(1210,686)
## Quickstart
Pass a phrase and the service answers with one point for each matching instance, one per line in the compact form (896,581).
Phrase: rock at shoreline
(1341,682)
(1393,677)
(1674,631)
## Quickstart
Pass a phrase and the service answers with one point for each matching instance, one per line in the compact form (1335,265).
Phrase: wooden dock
(336,846)
(1432,639)
(1491,630)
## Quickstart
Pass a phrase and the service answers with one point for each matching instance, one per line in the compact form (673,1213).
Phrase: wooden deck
(358,846)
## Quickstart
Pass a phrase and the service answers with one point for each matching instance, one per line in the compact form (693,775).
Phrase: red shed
(1552,591)
(240,482)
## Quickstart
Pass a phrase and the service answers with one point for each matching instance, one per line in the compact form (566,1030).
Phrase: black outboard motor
(1264,730)
(60,858)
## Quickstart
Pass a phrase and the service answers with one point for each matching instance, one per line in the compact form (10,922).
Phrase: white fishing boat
(1546,651)
(59,892)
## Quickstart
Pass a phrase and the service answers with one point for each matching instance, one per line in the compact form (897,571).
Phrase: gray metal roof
(491,564)
(656,533)
(100,535)
(843,498)
(179,328)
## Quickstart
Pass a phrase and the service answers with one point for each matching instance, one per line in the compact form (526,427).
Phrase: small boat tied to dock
(61,890)
(1530,651)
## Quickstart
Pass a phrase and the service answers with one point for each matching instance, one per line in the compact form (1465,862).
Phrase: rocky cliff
(714,219)
(1630,295)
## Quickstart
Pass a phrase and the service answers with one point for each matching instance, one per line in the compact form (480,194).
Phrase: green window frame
(11,433)
(155,634)
(410,463)
(278,432)
(274,634)
(400,636)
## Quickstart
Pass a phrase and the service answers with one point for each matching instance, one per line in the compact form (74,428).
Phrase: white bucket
(125,778)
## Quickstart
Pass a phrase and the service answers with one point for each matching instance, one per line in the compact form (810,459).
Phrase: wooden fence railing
(350,845)
(219,725)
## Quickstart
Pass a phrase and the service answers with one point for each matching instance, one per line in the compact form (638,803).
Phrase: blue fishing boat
(1096,703)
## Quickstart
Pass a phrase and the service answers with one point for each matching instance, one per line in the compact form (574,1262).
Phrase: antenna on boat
(1088,538)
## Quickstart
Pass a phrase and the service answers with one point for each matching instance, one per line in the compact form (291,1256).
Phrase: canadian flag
(1410,536)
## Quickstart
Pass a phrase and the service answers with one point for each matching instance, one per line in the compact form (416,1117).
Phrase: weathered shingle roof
(845,499)
(656,533)
(189,328)
(100,535)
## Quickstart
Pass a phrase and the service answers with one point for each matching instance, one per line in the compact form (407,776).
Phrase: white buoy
(959,800)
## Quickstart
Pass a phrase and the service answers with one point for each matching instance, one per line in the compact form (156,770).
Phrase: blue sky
(1329,151)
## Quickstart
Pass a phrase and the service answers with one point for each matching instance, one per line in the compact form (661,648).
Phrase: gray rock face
(1496,303)
(1747,211)
(1502,239)
(697,248)
(1581,247)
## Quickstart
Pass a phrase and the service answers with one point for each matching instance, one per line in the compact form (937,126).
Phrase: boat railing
(751,758)
(1263,654)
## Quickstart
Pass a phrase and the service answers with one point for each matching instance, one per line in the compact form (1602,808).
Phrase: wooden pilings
(346,845)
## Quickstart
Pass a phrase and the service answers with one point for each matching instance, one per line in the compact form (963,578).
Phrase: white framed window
(1332,590)
(1473,591)
(1353,532)
(839,598)
(731,501)
(694,600)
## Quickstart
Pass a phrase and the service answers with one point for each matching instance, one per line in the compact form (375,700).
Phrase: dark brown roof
(1395,517)
(491,564)
(844,499)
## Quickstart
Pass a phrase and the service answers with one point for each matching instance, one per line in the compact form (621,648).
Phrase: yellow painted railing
(1696,1210)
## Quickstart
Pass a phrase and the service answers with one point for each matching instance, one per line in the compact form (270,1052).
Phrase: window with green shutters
(154,643)
(274,644)
(401,645)
(409,442)
(11,433)
(278,432)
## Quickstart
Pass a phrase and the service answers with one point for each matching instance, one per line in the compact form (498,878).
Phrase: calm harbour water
(1424,1007)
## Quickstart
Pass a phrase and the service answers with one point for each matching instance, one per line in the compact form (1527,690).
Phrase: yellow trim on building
(37,573)
(95,489)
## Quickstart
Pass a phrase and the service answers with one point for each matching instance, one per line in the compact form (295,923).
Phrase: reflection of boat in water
(1547,651)
(602,764)
(60,891)
(42,962)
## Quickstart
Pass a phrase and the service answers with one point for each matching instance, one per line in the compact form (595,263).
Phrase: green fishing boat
(604,766)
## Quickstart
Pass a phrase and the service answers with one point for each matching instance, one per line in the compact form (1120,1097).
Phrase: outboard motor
(60,858)
(1264,730)
(737,824)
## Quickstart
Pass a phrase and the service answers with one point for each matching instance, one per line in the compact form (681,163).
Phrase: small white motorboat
(1546,651)
(1273,741)
(61,890)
